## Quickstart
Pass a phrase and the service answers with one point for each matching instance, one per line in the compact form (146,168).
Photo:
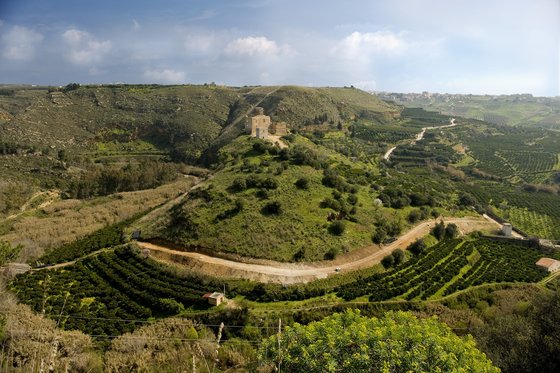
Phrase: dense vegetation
(449,266)
(352,343)
(109,286)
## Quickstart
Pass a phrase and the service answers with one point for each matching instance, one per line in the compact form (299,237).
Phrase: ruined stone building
(279,128)
(261,126)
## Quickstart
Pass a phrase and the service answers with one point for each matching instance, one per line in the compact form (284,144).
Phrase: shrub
(417,247)
(330,203)
(451,231)
(302,183)
(272,208)
(439,230)
(337,227)
(414,216)
(398,256)
(379,235)
(299,255)
(388,261)
(238,185)
(332,253)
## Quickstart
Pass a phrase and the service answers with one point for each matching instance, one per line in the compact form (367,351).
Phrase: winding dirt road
(291,273)
(419,137)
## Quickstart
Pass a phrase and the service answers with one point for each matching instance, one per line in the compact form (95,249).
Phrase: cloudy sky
(459,46)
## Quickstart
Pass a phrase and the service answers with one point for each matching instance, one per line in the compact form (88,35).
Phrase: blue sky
(454,46)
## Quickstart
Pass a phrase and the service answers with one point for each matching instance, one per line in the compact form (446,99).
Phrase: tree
(337,227)
(439,230)
(302,183)
(417,247)
(398,256)
(379,235)
(272,208)
(388,261)
(414,216)
(451,231)
(348,342)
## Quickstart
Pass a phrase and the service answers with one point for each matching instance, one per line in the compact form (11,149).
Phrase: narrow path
(232,125)
(51,196)
(291,273)
(419,137)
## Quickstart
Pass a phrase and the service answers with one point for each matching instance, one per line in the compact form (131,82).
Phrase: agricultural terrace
(96,293)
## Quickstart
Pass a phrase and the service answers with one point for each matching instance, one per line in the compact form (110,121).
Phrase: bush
(272,208)
(238,185)
(302,183)
(398,256)
(451,231)
(414,216)
(330,203)
(439,230)
(332,253)
(337,227)
(379,235)
(388,261)
(417,247)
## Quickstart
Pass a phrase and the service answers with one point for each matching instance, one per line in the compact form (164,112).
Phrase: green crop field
(450,266)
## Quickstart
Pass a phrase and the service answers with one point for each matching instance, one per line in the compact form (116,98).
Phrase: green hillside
(267,202)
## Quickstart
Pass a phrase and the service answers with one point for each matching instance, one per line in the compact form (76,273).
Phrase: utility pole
(279,353)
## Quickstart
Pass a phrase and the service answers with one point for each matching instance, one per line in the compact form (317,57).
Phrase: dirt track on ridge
(291,273)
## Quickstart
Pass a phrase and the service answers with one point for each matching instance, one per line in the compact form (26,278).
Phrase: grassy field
(64,221)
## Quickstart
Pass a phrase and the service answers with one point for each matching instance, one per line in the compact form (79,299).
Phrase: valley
(139,200)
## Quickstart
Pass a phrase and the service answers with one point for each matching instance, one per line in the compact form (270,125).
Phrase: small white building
(214,298)
(551,265)
(507,229)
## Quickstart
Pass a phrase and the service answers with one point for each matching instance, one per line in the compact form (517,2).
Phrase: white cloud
(359,44)
(84,49)
(20,43)
(165,76)
(255,46)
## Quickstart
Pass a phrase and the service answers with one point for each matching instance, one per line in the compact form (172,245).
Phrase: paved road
(290,273)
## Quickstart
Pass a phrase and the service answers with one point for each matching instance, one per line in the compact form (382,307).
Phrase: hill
(516,110)
(51,137)
(305,202)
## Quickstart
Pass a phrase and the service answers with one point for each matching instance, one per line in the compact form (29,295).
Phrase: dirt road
(291,273)
(419,137)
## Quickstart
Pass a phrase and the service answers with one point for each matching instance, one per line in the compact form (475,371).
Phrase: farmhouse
(551,265)
(214,298)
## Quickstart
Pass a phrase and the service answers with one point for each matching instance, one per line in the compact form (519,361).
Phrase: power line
(150,338)
(171,320)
